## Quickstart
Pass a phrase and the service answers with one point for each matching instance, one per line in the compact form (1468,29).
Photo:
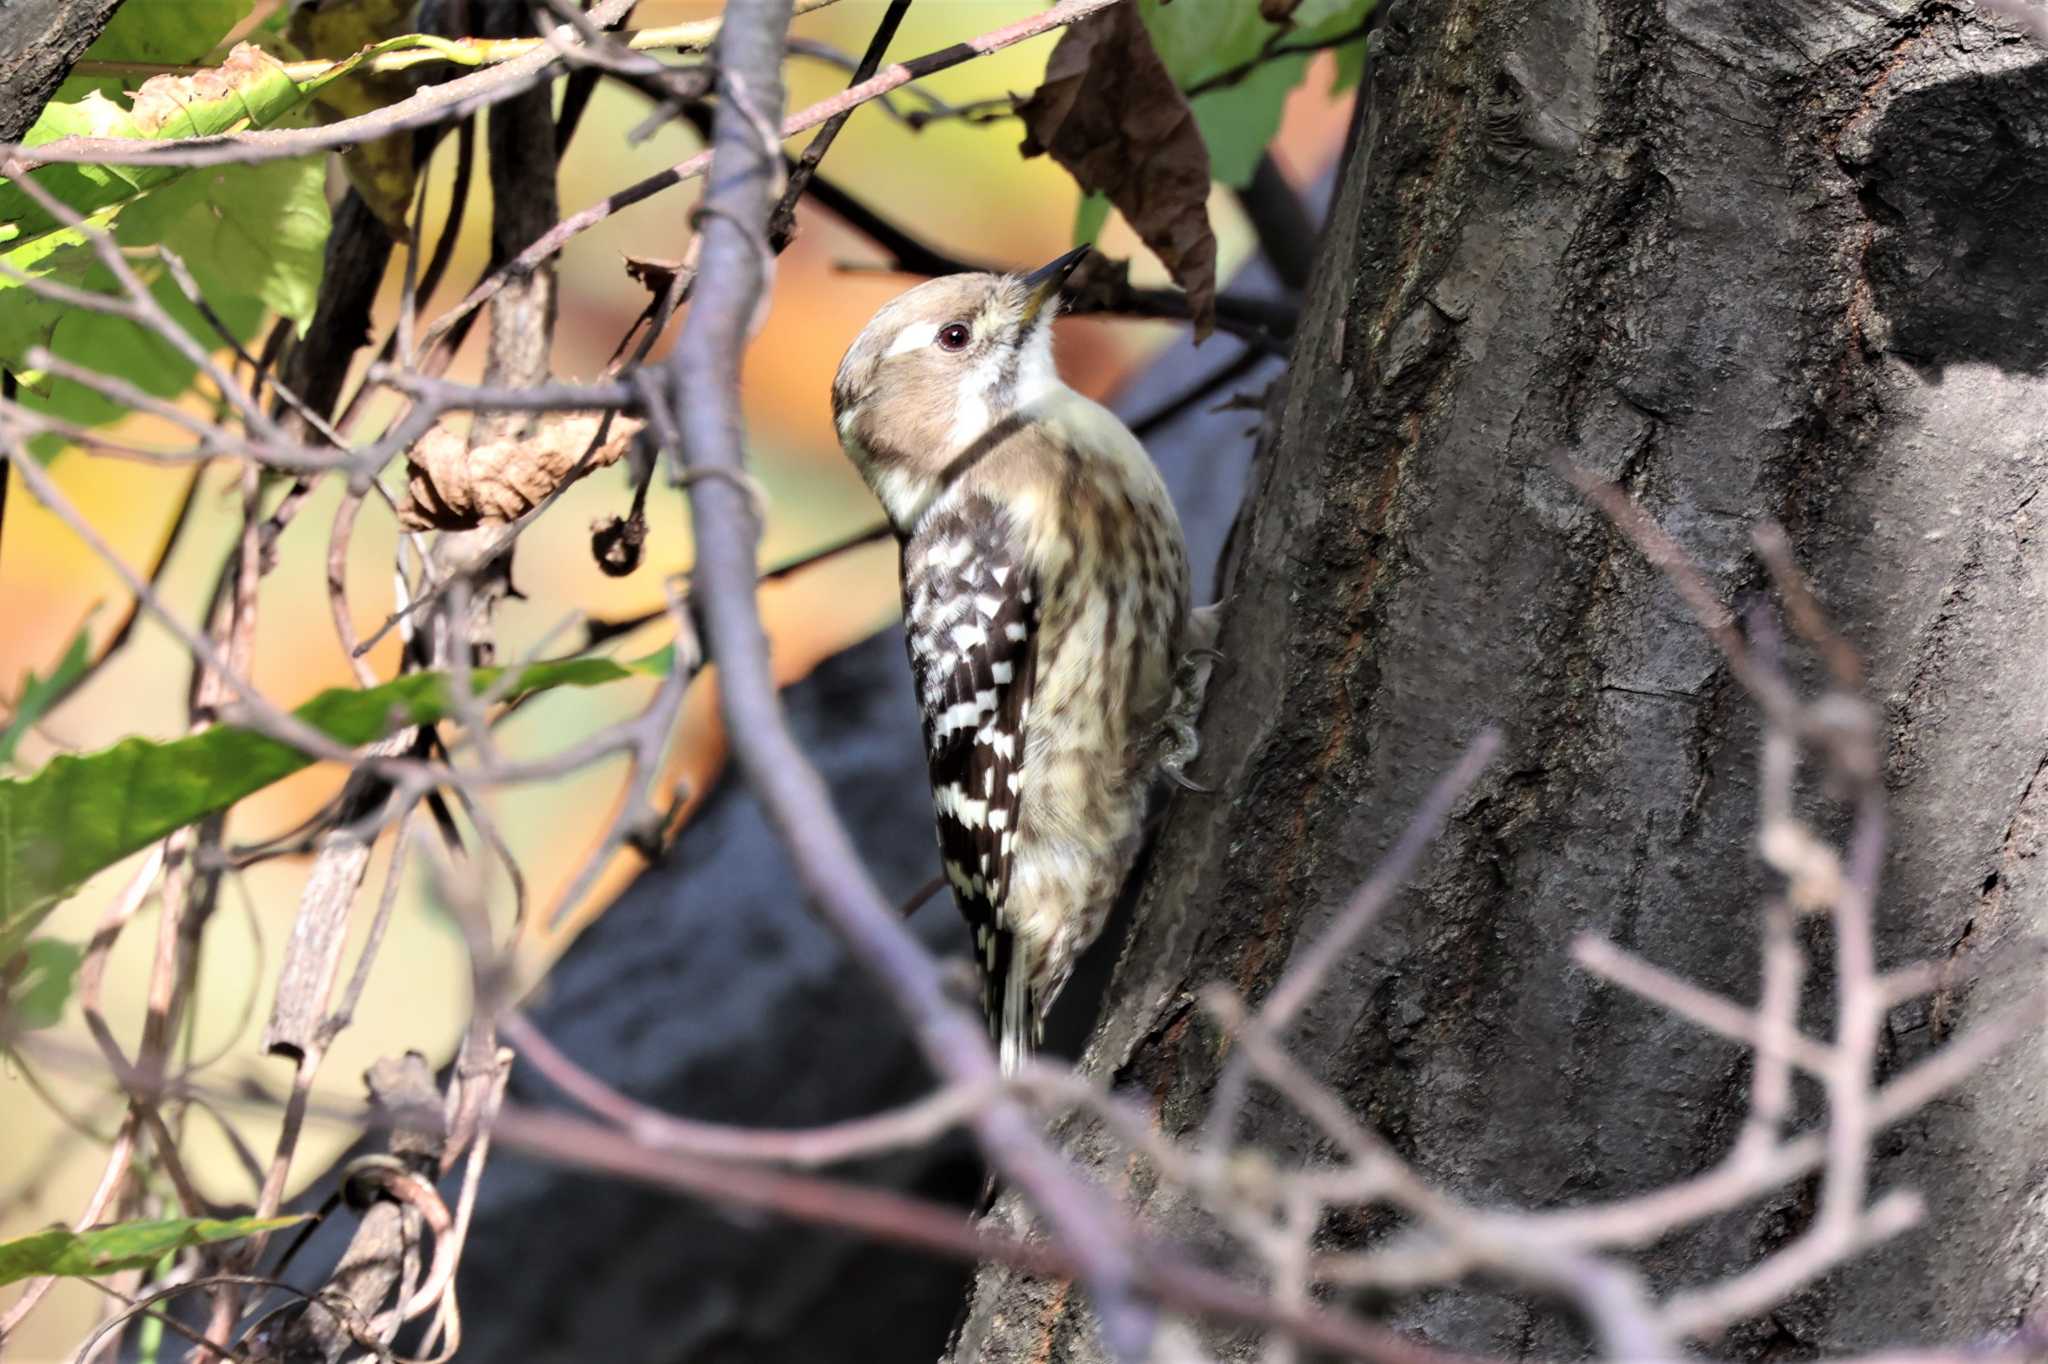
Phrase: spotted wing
(971,613)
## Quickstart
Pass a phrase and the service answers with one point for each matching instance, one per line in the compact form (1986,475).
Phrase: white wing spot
(1016,631)
(959,715)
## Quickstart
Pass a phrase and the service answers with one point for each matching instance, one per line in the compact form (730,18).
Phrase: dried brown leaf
(653,273)
(450,486)
(1109,112)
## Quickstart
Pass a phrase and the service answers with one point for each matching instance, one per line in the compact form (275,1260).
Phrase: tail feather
(1016,1026)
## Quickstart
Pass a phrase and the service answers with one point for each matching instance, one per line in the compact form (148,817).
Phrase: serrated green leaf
(125,1245)
(38,692)
(41,984)
(79,814)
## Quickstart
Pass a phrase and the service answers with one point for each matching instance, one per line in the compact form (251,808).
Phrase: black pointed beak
(1043,284)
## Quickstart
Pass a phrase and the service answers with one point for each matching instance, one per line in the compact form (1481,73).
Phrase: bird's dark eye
(954,336)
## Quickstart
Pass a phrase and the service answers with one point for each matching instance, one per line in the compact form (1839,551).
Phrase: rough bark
(39,40)
(1752,261)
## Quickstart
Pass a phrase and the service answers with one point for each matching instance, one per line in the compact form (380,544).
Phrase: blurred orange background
(964,188)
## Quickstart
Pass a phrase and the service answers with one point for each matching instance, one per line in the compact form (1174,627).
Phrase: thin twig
(782,222)
(889,78)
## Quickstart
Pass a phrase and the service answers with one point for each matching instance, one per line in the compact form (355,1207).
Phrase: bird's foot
(1180,741)
(1182,745)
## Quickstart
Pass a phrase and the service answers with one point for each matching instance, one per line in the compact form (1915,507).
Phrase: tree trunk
(39,40)
(1777,261)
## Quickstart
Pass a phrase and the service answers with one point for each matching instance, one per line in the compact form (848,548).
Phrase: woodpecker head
(940,366)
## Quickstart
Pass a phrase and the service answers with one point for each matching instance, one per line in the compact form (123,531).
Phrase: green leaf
(166,32)
(254,237)
(41,984)
(258,231)
(82,813)
(110,345)
(125,1245)
(250,90)
(37,693)
(1090,216)
(1240,121)
(1202,39)
(1350,68)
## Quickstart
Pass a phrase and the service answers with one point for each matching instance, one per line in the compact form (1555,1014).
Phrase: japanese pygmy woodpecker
(1045,595)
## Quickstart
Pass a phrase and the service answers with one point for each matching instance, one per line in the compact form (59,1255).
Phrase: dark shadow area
(1956,181)
(710,990)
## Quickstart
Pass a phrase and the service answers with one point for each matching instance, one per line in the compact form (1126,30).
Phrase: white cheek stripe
(972,414)
(970,418)
(916,336)
(1038,378)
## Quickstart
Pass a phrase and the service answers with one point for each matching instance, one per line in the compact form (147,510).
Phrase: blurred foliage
(126,1245)
(40,985)
(38,694)
(80,814)
(1204,40)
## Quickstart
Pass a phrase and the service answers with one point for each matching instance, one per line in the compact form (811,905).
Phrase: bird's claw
(1183,746)
(1181,742)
